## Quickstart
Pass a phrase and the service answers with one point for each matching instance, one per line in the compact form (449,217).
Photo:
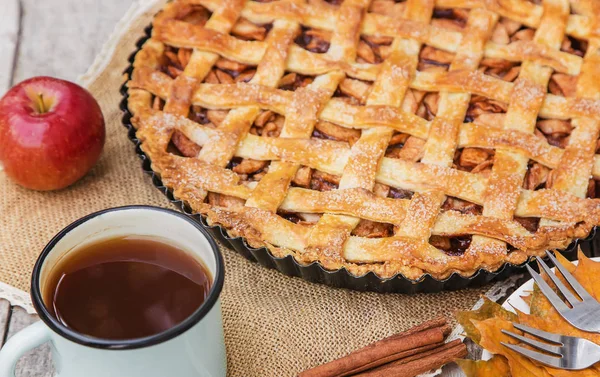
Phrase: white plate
(515,301)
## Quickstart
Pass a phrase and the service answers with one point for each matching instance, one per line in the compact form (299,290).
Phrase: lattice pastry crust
(412,137)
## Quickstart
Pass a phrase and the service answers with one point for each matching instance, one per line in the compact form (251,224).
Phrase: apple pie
(396,137)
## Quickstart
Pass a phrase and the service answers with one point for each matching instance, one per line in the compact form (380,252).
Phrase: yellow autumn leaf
(497,366)
(587,274)
(489,309)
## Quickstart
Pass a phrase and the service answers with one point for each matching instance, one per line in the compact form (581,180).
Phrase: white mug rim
(127,344)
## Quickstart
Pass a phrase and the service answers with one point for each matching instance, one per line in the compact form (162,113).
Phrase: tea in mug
(126,288)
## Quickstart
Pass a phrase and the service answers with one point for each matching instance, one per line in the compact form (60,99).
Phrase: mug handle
(25,340)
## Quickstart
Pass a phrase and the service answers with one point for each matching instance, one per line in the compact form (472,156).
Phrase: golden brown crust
(325,171)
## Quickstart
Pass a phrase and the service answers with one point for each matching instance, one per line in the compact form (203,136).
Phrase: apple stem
(41,105)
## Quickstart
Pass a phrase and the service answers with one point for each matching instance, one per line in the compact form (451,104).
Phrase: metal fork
(584,310)
(564,352)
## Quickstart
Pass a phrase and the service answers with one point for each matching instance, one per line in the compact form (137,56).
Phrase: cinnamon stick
(406,344)
(420,363)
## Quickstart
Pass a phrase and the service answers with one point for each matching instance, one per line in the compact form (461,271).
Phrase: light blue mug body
(194,348)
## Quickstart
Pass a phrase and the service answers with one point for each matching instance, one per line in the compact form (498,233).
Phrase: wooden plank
(36,362)
(48,48)
(10,19)
(4,319)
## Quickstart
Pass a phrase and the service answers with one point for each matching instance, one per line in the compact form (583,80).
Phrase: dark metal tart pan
(314,272)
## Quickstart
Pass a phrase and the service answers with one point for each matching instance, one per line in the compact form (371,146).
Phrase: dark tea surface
(126,288)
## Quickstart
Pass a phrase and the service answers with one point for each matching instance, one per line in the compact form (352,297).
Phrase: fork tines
(554,348)
(559,351)
(582,309)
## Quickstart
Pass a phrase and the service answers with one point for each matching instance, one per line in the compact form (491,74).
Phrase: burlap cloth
(274,325)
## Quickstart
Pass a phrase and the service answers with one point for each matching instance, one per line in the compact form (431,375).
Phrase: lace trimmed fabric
(16,297)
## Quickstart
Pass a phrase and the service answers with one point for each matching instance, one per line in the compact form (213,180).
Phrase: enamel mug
(194,347)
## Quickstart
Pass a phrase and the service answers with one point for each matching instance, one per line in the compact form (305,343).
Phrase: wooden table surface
(58,38)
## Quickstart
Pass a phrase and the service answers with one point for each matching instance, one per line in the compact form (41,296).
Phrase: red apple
(51,133)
